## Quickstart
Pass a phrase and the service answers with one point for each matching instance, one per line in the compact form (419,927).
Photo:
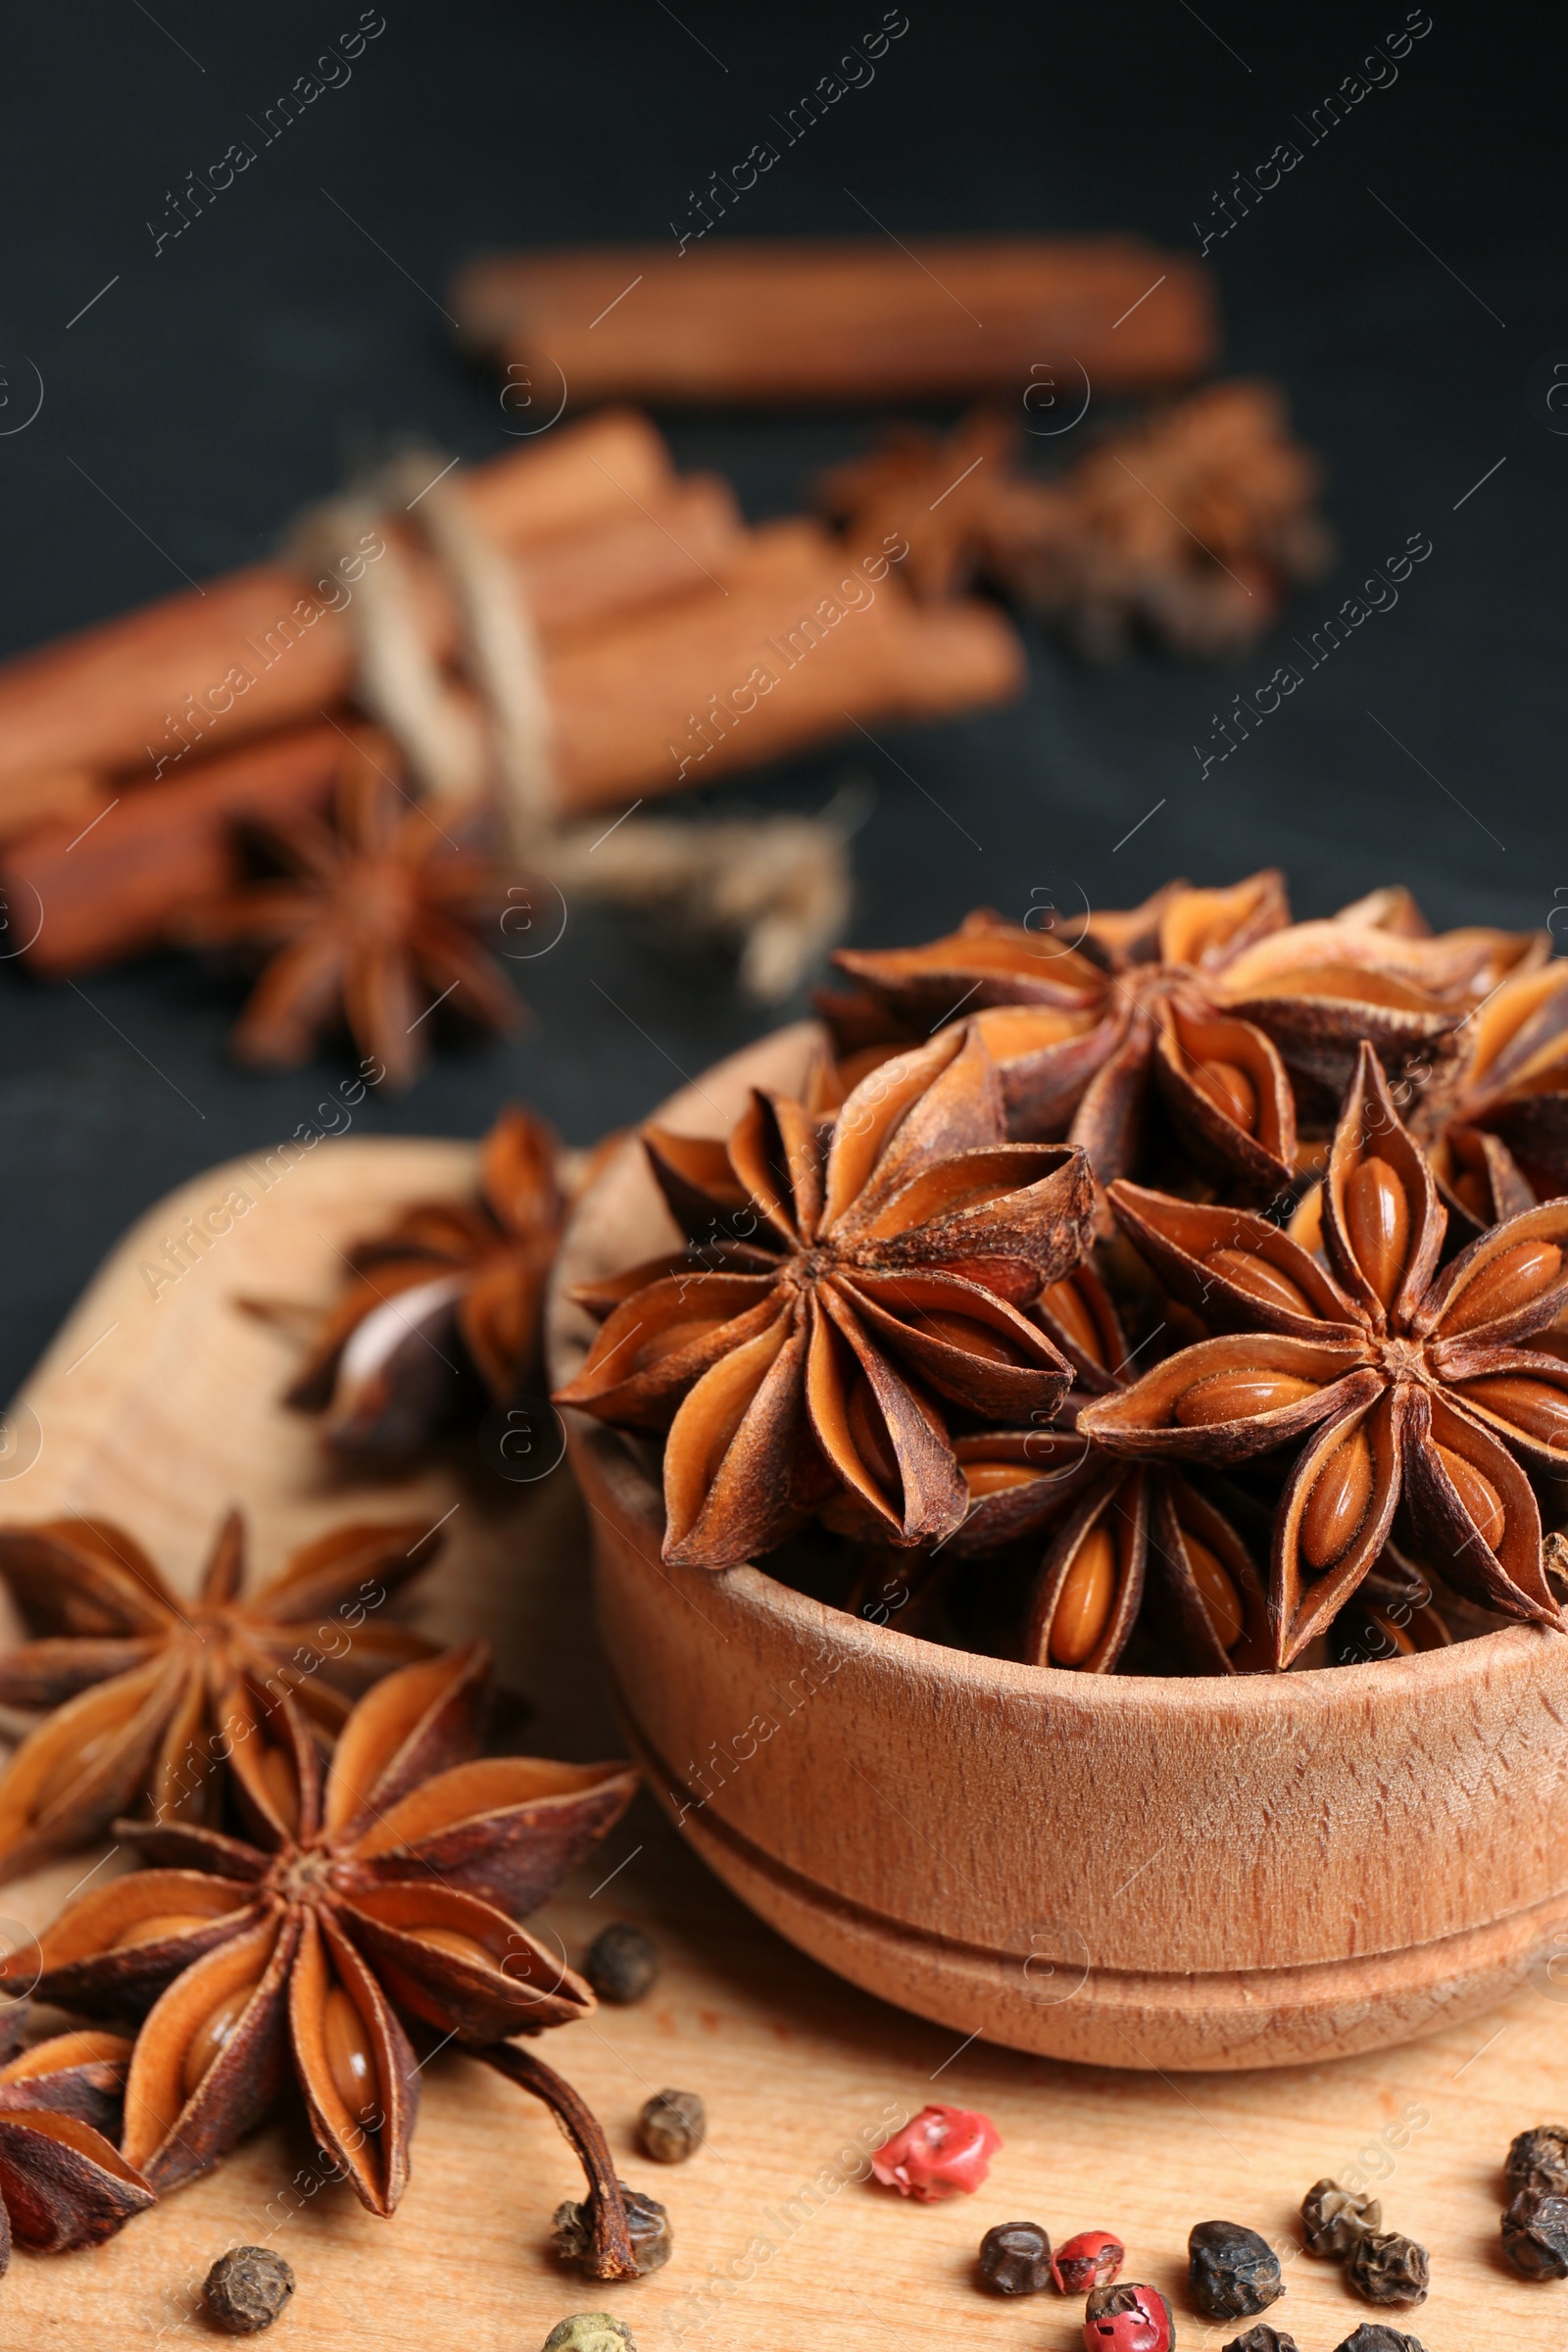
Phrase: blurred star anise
(1405,1386)
(372,929)
(1498,1125)
(845,1283)
(137,1677)
(394,1891)
(63,2182)
(451,1287)
(1086,1037)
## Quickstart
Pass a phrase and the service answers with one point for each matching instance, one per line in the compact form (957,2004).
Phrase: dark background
(219,386)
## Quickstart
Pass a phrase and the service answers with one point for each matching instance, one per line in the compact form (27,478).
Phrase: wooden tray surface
(157,1406)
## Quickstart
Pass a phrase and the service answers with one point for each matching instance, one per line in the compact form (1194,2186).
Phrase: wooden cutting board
(157,1406)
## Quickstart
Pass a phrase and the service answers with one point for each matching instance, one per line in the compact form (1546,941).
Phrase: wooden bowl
(1129,1870)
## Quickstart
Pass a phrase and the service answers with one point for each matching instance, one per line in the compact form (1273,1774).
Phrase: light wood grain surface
(160,1410)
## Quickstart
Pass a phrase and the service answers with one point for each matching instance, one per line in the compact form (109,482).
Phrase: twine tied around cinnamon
(777,887)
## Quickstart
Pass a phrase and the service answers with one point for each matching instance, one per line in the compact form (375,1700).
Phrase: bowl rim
(1477,1658)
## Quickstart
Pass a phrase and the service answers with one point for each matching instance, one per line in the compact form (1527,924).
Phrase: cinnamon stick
(804,641)
(264,648)
(843,319)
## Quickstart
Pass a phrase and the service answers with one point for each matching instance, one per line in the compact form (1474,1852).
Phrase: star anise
(1189,526)
(63,2182)
(846,1284)
(1088,1038)
(452,1288)
(1404,1387)
(373,928)
(135,1676)
(1111,1521)
(395,1891)
(1497,1127)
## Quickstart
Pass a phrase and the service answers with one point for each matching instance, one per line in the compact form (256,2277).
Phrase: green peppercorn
(1387,2268)
(246,2288)
(1016,2258)
(1535,2233)
(672,2126)
(1539,2159)
(590,2332)
(1372,2336)
(622,1964)
(1333,2219)
(1262,2339)
(652,2242)
(1232,2273)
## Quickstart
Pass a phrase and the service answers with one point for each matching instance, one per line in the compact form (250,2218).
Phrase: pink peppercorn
(1128,2318)
(1091,2259)
(945,2152)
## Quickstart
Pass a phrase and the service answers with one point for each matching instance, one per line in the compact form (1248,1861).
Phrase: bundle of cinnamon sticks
(676,646)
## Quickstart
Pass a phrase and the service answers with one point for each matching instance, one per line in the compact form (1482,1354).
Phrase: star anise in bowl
(372,927)
(847,1285)
(387,1895)
(135,1675)
(1407,1385)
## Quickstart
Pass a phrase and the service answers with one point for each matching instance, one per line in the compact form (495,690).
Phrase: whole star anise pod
(1403,1386)
(944,495)
(450,1287)
(862,1276)
(1129,1540)
(394,1891)
(1087,1038)
(371,931)
(135,1676)
(63,2182)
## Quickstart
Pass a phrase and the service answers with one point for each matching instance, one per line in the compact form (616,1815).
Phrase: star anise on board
(846,1284)
(1189,526)
(372,927)
(1129,1540)
(394,1891)
(451,1288)
(1404,1387)
(63,2182)
(135,1675)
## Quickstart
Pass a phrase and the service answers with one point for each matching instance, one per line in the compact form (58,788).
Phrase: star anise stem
(610,2254)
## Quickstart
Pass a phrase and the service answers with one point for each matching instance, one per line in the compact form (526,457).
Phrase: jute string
(777,888)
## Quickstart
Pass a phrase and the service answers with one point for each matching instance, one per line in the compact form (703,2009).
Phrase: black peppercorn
(1535,2233)
(1371,2337)
(1016,2258)
(1262,2339)
(652,2244)
(671,2125)
(1387,2268)
(1539,2159)
(1232,2273)
(622,1964)
(1333,2218)
(590,2332)
(246,2288)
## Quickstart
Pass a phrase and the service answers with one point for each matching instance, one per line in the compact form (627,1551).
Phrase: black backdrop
(1407,282)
